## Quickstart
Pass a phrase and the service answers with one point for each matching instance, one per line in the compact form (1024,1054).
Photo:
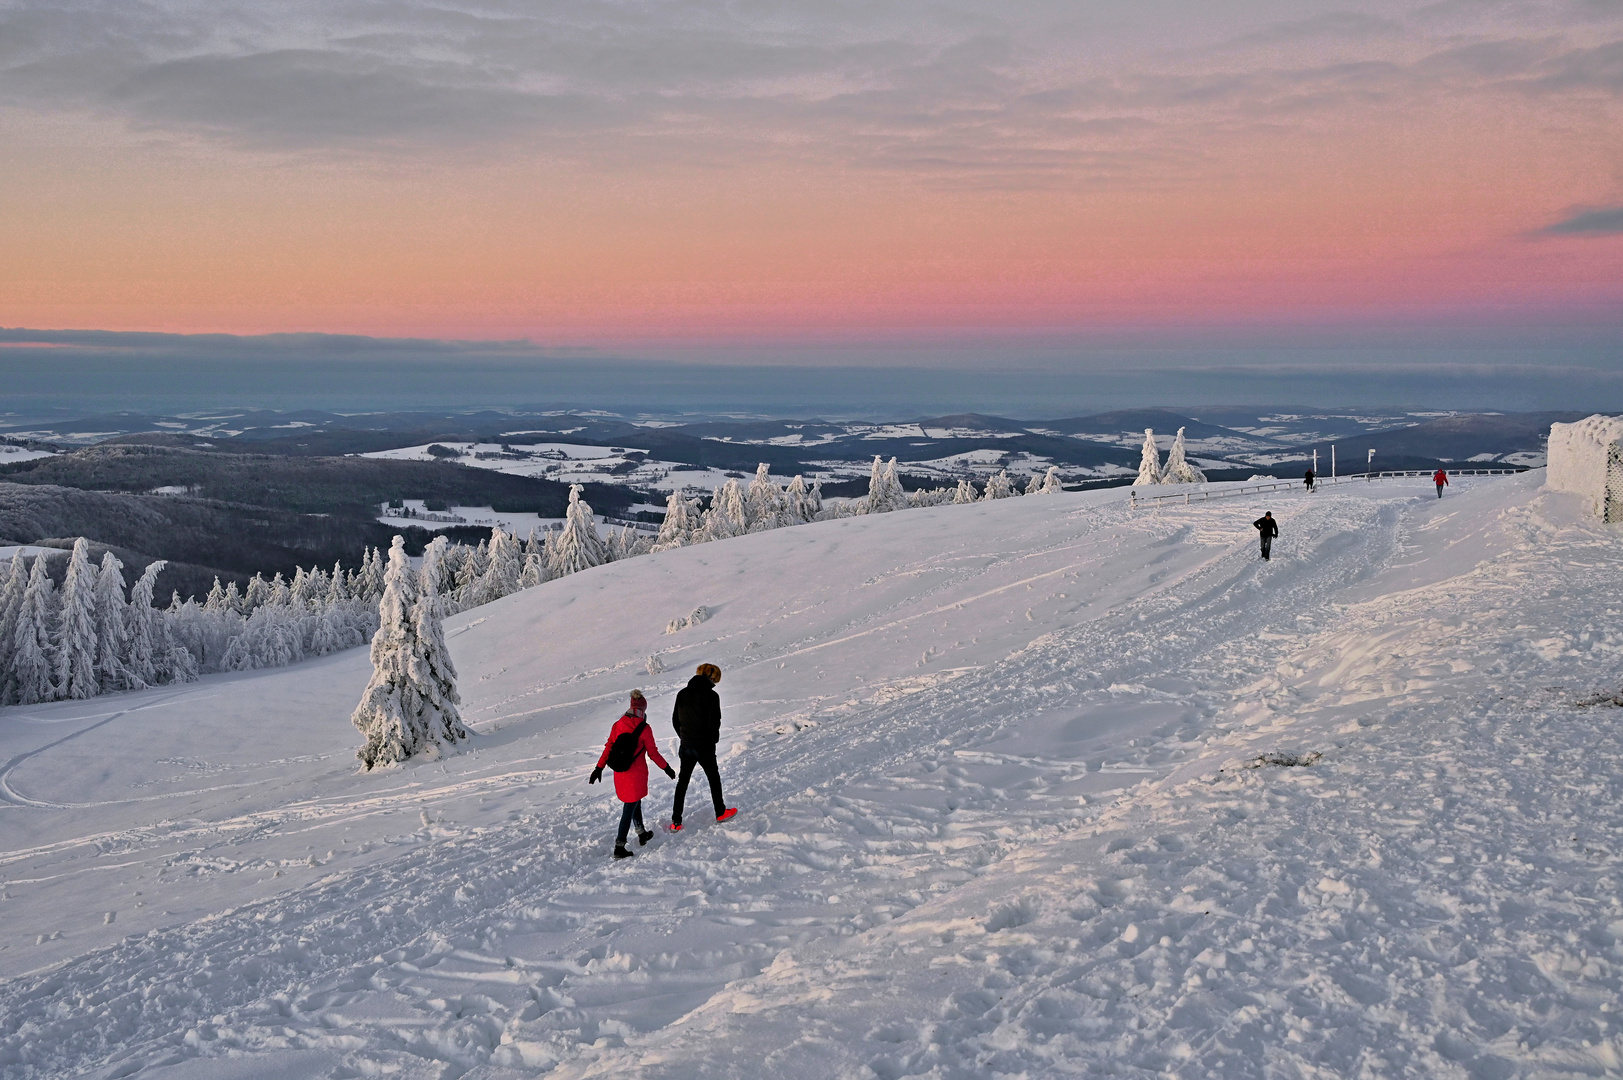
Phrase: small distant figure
(1439,478)
(1269,528)
(697,720)
(1307,479)
(631,742)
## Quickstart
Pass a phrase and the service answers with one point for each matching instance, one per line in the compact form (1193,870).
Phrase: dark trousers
(1439,491)
(631,814)
(708,763)
(1267,544)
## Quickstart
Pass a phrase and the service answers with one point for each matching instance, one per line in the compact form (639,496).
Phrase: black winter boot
(645,836)
(623,852)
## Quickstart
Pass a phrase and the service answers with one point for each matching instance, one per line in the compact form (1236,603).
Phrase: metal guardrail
(1205,493)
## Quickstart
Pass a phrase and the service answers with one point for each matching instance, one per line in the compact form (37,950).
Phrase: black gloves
(670,772)
(597,774)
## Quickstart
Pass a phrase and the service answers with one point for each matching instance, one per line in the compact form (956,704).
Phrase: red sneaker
(675,826)
(730,812)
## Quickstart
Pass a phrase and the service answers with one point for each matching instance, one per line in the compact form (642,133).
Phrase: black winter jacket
(1267,526)
(697,716)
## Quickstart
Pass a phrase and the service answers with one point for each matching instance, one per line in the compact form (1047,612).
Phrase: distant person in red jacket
(1439,478)
(631,743)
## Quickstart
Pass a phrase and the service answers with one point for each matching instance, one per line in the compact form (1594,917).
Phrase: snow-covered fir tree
(1050,484)
(1149,464)
(797,502)
(1178,469)
(504,563)
(112,628)
(965,492)
(577,546)
(141,650)
(433,671)
(76,636)
(885,491)
(11,605)
(257,593)
(405,709)
(998,487)
(764,504)
(33,653)
(680,526)
(370,586)
(726,517)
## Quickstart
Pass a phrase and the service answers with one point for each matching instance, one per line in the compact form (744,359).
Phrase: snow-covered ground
(1006,811)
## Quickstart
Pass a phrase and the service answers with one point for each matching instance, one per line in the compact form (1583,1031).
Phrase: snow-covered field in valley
(1034,787)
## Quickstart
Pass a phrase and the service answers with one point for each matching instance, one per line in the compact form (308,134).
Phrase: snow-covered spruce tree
(33,653)
(433,671)
(1149,464)
(472,566)
(998,487)
(726,517)
(814,501)
(400,714)
(370,587)
(1050,484)
(797,502)
(1178,469)
(112,629)
(504,562)
(965,493)
(258,592)
(337,587)
(577,547)
(764,505)
(681,522)
(534,573)
(11,605)
(76,636)
(625,543)
(142,633)
(884,490)
(216,600)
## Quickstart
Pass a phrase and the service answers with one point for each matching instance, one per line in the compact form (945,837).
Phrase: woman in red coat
(631,783)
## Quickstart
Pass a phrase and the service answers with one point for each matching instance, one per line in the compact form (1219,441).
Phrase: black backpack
(623,754)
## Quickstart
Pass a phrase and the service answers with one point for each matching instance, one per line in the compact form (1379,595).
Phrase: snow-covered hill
(999,817)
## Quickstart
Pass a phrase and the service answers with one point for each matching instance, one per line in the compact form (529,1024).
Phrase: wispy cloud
(961,87)
(1605,221)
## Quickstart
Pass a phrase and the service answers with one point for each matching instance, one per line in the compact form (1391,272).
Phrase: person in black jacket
(1269,528)
(697,719)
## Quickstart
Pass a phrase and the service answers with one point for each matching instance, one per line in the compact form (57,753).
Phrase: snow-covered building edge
(1586,458)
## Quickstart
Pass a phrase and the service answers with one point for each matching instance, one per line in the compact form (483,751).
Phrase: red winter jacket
(632,784)
(1439,478)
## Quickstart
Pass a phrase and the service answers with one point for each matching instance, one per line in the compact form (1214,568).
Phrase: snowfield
(1034,787)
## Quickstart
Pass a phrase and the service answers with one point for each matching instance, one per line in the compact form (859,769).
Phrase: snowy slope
(996,819)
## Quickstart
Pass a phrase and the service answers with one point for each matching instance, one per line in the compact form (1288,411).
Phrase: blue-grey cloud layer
(1024,89)
(1555,367)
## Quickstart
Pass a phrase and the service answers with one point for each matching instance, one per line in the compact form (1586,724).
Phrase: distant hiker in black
(1267,526)
(697,719)
(1307,478)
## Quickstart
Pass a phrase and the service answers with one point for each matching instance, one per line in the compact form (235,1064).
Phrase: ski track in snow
(1029,865)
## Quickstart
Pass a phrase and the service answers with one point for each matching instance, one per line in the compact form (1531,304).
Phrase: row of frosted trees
(736,510)
(92,637)
(1177,469)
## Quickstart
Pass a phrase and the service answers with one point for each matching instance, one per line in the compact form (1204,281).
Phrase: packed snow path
(996,819)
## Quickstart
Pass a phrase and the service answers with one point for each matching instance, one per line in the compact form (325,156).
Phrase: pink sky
(917,170)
